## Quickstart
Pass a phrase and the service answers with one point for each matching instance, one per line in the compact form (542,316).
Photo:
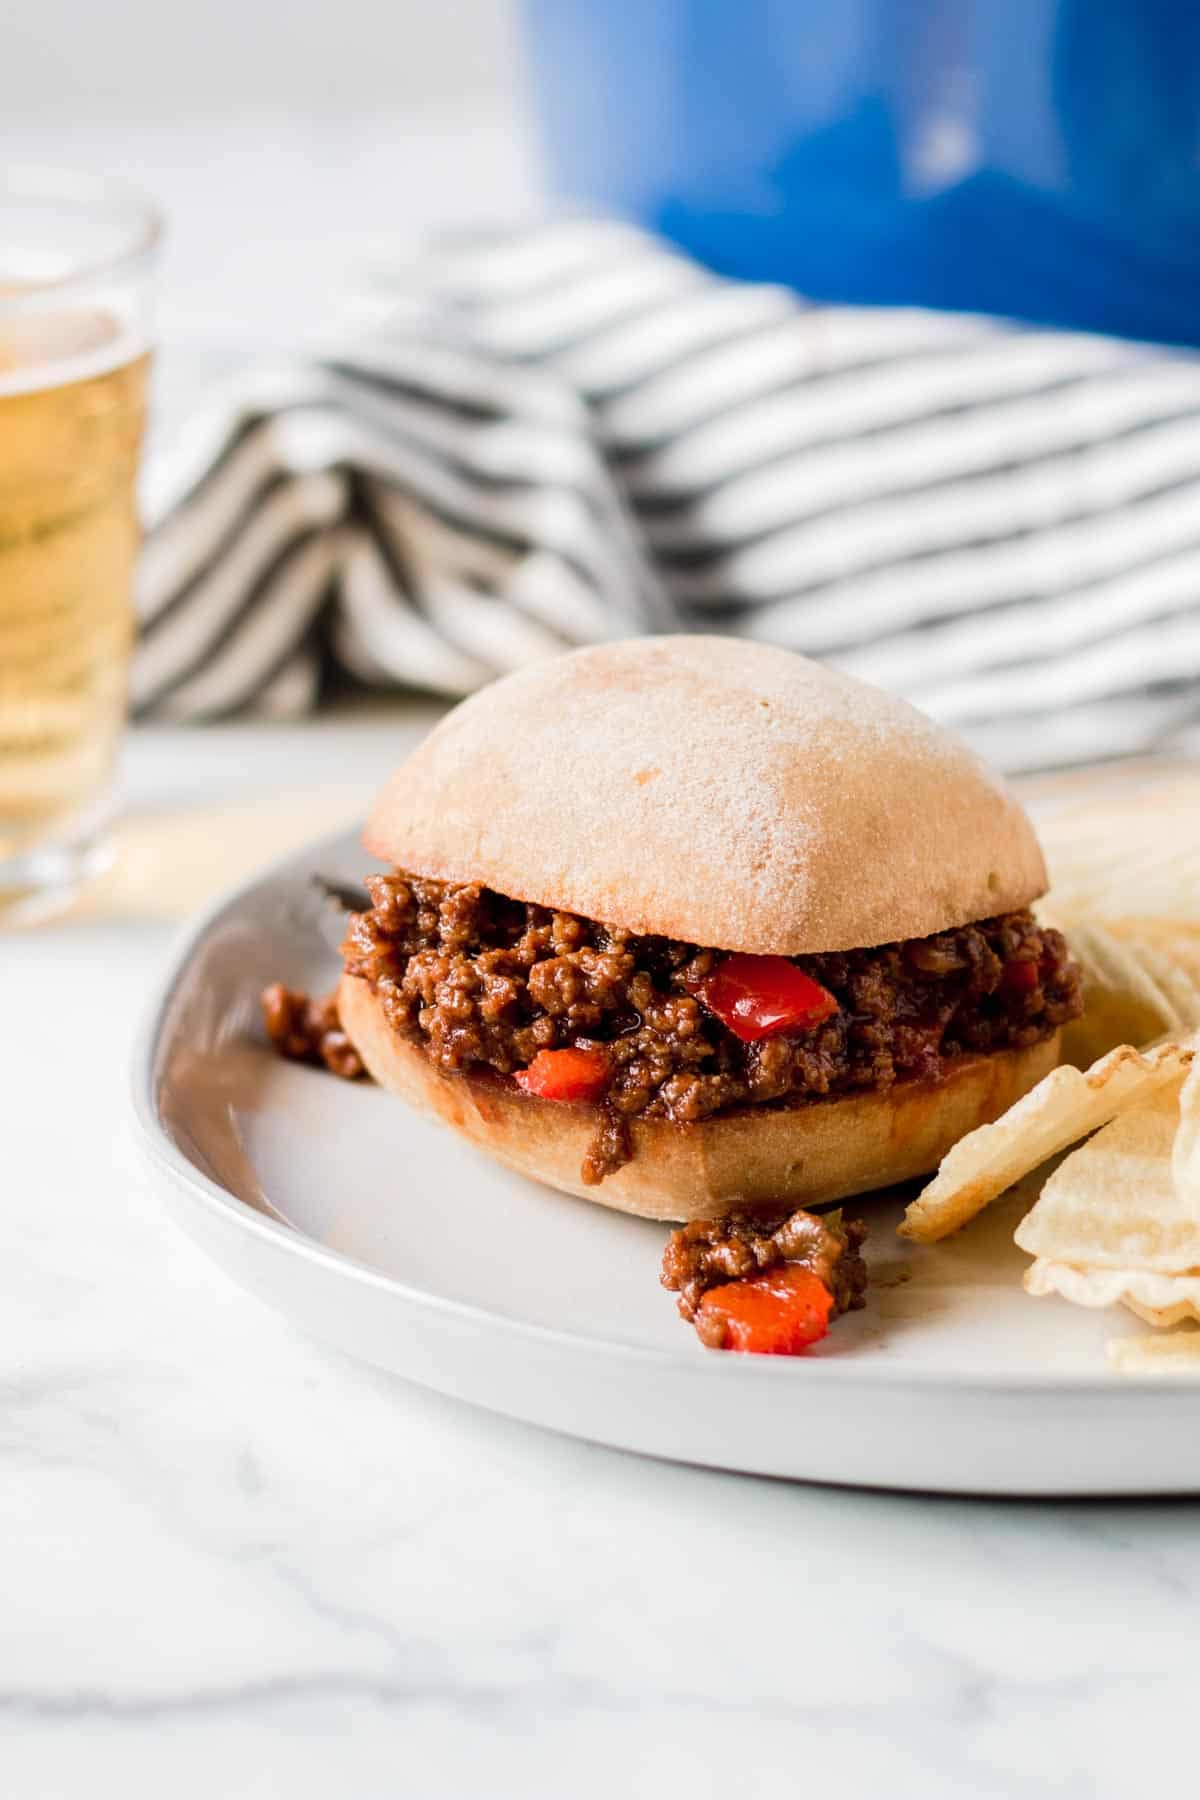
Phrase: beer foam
(53,348)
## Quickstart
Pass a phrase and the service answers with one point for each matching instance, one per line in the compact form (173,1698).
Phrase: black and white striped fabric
(575,432)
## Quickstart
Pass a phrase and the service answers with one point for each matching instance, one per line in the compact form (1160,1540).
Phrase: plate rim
(165,1155)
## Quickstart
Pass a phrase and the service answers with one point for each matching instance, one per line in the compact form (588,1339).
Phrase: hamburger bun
(738,798)
(752,1159)
(719,792)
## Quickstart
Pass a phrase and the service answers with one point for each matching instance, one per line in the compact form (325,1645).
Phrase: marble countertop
(234,1563)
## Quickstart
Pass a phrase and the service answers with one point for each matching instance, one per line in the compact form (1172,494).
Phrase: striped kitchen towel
(573,432)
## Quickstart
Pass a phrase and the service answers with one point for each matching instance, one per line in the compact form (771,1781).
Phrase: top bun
(714,791)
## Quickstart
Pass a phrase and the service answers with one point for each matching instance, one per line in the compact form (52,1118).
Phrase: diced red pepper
(566,1075)
(764,996)
(777,1313)
(1020,977)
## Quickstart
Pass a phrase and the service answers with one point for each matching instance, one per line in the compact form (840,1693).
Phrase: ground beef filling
(485,982)
(711,1252)
(308,1030)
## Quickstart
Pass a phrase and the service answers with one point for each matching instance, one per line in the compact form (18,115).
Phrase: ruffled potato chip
(1114,1205)
(1067,1105)
(1128,860)
(1133,994)
(1178,939)
(1185,1152)
(1163,1316)
(1129,857)
(1175,1353)
(1153,1296)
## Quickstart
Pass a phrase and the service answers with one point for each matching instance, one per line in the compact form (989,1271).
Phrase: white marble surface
(234,1564)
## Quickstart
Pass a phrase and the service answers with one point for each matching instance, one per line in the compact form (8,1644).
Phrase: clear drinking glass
(77,258)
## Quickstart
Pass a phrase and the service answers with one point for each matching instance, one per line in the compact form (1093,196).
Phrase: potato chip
(1129,857)
(1185,1152)
(1177,939)
(1132,994)
(1068,1104)
(1174,1353)
(1113,1203)
(1174,981)
(1163,1316)
(1158,1298)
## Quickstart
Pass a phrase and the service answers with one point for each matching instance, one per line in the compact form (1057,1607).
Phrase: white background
(146,57)
(293,146)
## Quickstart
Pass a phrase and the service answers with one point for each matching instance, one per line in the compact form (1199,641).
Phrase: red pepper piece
(566,1075)
(764,996)
(778,1313)
(1020,977)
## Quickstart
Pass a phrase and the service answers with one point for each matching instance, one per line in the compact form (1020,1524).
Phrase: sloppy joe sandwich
(692,926)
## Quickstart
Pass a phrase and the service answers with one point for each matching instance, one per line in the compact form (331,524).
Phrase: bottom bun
(751,1159)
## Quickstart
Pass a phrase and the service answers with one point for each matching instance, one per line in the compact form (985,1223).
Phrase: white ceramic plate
(375,1229)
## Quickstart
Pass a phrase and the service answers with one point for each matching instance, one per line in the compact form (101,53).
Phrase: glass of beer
(77,259)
